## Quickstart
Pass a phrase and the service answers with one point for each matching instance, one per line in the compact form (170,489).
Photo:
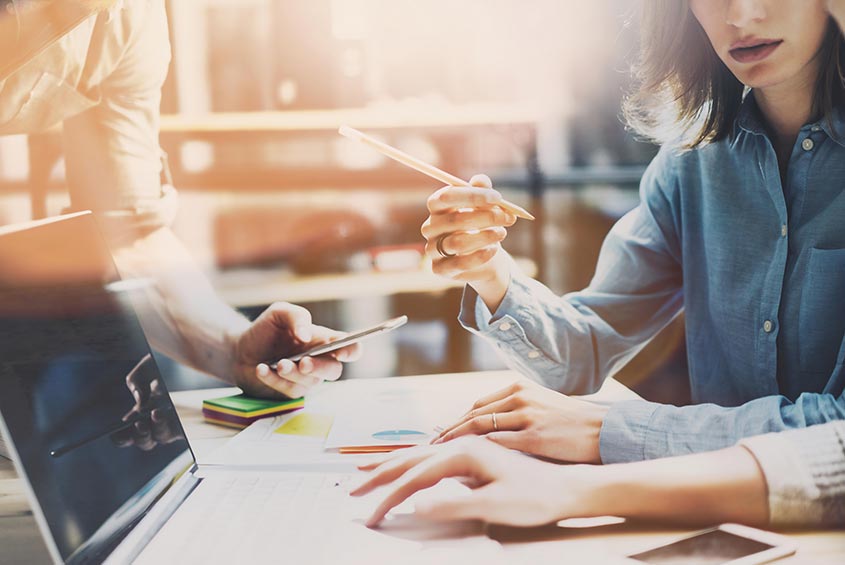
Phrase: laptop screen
(93,427)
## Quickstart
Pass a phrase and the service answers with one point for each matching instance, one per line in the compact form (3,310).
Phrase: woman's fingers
(505,405)
(390,470)
(485,424)
(467,219)
(500,394)
(463,243)
(455,197)
(376,462)
(421,477)
(460,264)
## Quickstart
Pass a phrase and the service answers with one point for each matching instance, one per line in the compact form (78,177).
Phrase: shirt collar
(834,126)
(750,120)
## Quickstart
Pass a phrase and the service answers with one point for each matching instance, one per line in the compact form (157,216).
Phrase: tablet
(726,544)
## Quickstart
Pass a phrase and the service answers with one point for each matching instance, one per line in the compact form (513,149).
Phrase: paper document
(290,441)
(392,418)
(307,424)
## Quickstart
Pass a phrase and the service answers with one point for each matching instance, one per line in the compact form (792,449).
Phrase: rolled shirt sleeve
(805,474)
(636,430)
(112,149)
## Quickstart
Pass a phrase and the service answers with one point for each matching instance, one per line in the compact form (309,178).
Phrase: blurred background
(276,206)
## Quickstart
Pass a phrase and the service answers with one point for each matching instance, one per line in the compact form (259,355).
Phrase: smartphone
(353,337)
(728,544)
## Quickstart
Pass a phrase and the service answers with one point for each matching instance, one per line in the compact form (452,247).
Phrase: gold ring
(439,247)
(495,423)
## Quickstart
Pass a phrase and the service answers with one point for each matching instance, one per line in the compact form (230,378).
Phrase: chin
(762,76)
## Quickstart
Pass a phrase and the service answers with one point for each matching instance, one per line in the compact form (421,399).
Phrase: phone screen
(709,548)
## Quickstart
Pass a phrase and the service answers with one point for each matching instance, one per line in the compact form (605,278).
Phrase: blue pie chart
(399,435)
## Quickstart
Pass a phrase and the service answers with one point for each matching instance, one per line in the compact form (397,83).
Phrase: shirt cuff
(130,224)
(803,469)
(624,432)
(512,330)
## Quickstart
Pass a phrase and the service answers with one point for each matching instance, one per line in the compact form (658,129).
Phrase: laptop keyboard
(256,517)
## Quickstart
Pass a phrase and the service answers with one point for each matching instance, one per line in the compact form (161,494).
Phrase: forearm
(181,314)
(568,343)
(638,430)
(706,488)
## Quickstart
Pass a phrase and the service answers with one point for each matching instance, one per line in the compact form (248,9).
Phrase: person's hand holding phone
(282,331)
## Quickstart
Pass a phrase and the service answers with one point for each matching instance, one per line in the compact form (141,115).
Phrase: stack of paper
(240,411)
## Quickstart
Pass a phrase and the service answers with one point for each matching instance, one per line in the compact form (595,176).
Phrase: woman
(740,226)
(794,477)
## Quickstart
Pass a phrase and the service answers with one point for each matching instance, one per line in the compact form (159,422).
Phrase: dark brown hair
(686,94)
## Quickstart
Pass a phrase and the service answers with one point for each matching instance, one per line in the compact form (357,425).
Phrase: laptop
(96,439)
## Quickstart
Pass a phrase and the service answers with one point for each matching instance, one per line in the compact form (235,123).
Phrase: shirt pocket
(51,101)
(821,319)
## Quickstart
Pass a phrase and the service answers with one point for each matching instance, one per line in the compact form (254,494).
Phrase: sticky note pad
(307,424)
(240,410)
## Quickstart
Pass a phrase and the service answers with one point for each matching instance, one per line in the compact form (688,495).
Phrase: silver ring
(495,423)
(439,247)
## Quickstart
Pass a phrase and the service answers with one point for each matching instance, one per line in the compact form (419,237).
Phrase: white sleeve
(805,474)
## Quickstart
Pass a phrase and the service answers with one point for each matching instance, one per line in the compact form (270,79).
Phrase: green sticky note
(309,425)
(243,403)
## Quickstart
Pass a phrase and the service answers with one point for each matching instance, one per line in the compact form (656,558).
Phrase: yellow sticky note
(307,424)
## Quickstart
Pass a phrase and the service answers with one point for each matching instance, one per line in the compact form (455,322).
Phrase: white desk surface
(20,541)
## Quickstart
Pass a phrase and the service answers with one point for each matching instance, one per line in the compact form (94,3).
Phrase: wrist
(594,422)
(492,289)
(585,491)
(232,366)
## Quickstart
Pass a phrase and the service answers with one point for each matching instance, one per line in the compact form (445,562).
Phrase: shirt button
(768,326)
(784,230)
(808,144)
(533,354)
(504,326)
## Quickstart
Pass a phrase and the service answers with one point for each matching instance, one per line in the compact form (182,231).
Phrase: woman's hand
(507,487)
(464,232)
(531,418)
(283,330)
(510,488)
(837,10)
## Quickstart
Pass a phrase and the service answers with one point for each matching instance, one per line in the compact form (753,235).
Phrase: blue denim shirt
(758,269)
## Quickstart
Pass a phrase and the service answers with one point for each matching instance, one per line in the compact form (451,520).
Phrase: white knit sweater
(805,474)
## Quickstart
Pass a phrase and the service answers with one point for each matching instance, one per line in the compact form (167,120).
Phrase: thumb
(481,181)
(292,317)
(508,439)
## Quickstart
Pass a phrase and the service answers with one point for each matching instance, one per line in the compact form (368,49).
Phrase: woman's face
(764,42)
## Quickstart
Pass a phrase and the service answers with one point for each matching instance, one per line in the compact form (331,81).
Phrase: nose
(741,13)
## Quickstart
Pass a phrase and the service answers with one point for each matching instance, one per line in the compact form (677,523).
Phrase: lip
(752,50)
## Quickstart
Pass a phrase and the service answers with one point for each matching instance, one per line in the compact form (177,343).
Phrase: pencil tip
(349,132)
